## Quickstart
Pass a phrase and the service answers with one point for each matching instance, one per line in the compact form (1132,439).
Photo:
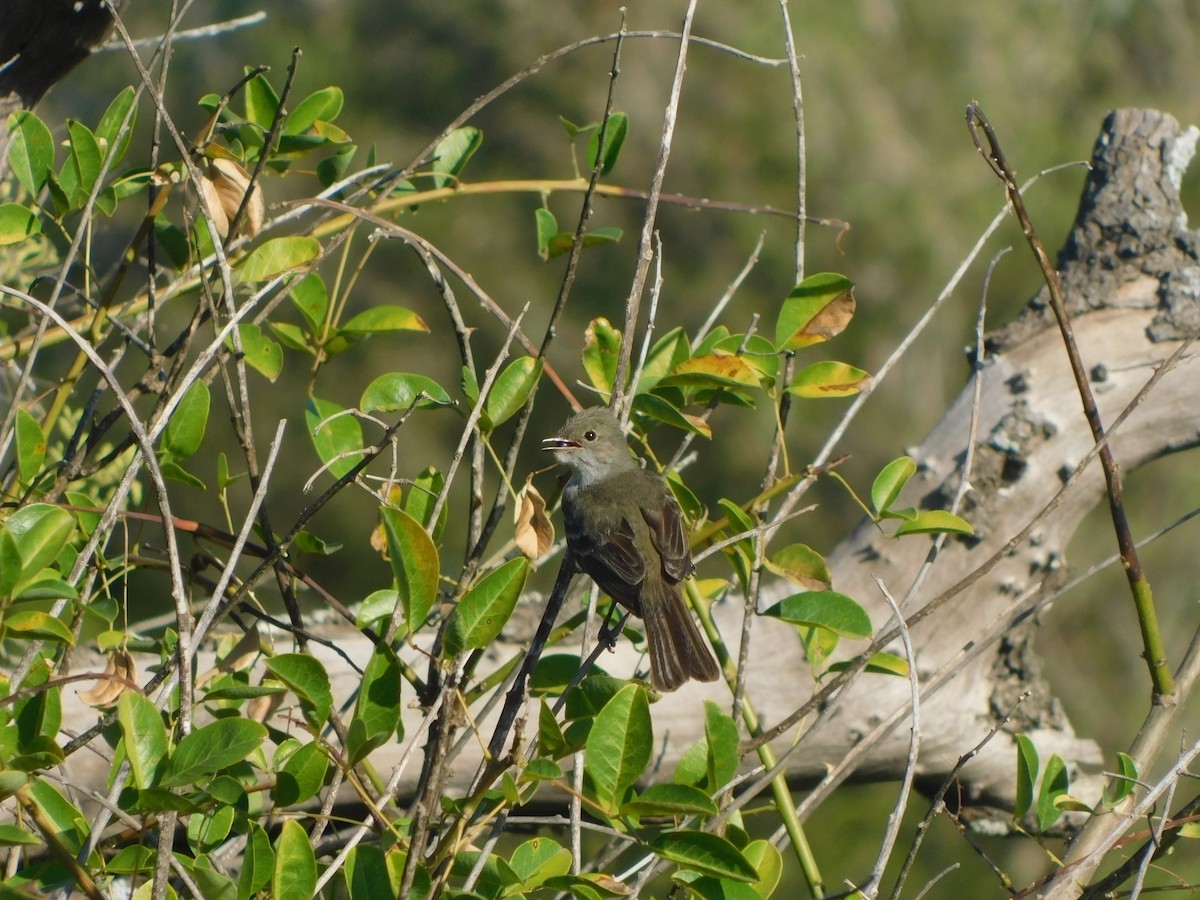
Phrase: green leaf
(614,139)
(261,353)
(668,352)
(397,391)
(311,298)
(213,885)
(415,564)
(537,859)
(366,873)
(884,663)
(175,472)
(49,589)
(554,672)
(279,255)
(801,564)
(35,625)
(721,737)
(705,853)
(69,824)
(173,241)
(551,741)
(145,737)
(619,745)
(422,497)
(828,379)
(211,748)
(79,173)
(110,130)
(295,338)
(768,863)
(891,481)
(828,609)
(652,406)
(1125,780)
(1027,772)
(319,106)
(308,680)
(185,430)
(295,863)
(574,131)
(561,243)
(225,689)
(384,318)
(307,542)
(483,611)
(452,154)
(511,389)
(587,886)
(17,223)
(31,446)
(377,710)
(1067,803)
(257,862)
(1055,784)
(338,439)
(546,227)
(469,385)
(31,540)
(302,775)
(601,349)
(756,350)
(713,370)
(670,800)
(14,835)
(261,101)
(375,606)
(817,309)
(333,168)
(30,150)
(935,521)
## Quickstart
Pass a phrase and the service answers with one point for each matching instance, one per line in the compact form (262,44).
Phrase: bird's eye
(589,436)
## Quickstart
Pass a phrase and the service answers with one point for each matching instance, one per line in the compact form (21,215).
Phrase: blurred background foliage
(885,88)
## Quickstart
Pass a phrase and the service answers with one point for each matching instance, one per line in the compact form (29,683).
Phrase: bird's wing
(617,551)
(613,562)
(669,536)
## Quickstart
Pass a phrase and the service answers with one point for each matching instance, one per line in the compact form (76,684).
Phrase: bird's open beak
(560,443)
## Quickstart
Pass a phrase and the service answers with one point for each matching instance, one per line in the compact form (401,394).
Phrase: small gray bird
(626,531)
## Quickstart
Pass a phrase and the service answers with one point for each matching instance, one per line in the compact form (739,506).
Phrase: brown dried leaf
(534,530)
(239,657)
(224,184)
(123,672)
(833,319)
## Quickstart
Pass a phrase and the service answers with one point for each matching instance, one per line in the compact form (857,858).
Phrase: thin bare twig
(1139,584)
(634,301)
(896,818)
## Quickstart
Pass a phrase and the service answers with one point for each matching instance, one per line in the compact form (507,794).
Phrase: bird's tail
(677,649)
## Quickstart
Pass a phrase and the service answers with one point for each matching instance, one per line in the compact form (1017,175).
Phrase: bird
(626,531)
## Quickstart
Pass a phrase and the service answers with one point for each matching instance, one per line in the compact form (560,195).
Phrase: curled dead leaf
(121,675)
(240,656)
(224,183)
(534,533)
